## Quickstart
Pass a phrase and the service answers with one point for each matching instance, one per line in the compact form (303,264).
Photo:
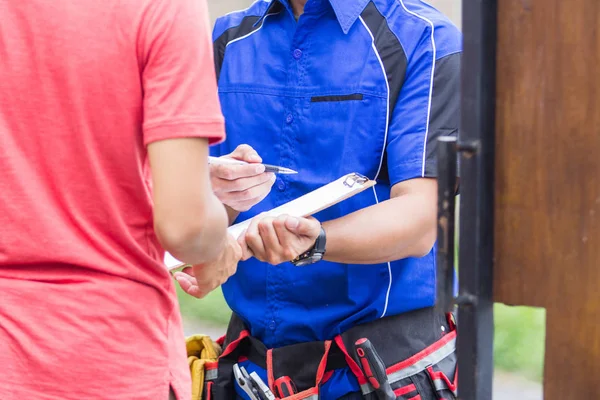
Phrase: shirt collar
(347,12)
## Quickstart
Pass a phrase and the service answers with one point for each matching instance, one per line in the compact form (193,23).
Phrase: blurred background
(219,7)
(519,331)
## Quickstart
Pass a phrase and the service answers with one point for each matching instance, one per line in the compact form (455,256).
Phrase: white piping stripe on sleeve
(251,33)
(431,84)
(387,123)
(387,86)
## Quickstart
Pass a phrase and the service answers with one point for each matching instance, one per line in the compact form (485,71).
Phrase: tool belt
(417,350)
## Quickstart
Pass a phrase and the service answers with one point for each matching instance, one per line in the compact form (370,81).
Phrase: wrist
(315,253)
(213,236)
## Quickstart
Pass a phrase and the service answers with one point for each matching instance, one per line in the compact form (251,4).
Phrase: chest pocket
(350,126)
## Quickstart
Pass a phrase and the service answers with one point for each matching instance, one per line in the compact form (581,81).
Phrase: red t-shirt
(87,308)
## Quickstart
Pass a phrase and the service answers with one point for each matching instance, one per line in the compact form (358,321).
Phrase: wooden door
(547,181)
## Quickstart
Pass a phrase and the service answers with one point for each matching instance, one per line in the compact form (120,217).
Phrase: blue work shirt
(352,86)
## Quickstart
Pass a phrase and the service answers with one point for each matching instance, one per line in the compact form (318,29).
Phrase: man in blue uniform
(329,87)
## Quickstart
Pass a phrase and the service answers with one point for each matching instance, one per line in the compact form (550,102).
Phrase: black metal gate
(475,151)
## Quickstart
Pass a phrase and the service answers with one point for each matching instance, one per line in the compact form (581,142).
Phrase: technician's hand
(241,186)
(201,279)
(277,240)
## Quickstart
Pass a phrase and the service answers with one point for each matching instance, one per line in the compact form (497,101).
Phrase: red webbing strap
(314,391)
(438,375)
(210,365)
(422,354)
(422,361)
(233,345)
(323,364)
(356,370)
(270,372)
(405,390)
(208,390)
(223,386)
(214,365)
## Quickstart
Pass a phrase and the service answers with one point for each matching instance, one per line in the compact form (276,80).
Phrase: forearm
(214,239)
(205,239)
(189,221)
(401,227)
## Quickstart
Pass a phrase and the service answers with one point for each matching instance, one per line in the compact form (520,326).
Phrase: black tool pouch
(417,348)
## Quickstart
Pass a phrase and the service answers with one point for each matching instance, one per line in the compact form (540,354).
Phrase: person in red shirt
(107,110)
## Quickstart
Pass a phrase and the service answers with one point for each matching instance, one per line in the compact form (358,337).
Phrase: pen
(268,168)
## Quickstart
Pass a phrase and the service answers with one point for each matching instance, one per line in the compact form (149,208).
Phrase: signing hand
(281,239)
(241,186)
(201,279)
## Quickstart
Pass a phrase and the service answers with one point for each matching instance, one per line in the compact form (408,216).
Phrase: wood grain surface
(547,193)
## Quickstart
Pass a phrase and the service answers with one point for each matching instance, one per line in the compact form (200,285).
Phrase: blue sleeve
(221,25)
(428,107)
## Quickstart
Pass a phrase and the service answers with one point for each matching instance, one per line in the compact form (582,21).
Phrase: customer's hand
(281,239)
(241,186)
(199,280)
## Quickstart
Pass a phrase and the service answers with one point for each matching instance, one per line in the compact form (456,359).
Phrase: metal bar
(475,301)
(446,155)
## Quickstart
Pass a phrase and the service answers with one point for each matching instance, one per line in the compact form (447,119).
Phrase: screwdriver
(374,369)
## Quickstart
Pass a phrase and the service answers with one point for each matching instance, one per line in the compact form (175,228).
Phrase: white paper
(303,206)
(171,262)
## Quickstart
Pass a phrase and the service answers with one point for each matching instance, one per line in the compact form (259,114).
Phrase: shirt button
(297,54)
(289,118)
(281,185)
(272,325)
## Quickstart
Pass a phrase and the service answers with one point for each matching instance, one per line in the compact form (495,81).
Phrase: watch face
(309,260)
(302,263)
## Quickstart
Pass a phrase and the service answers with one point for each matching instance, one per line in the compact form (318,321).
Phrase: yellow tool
(200,350)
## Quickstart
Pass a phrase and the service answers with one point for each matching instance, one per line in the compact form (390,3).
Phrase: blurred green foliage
(212,309)
(519,340)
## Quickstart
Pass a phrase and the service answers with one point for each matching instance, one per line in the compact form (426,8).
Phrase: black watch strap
(319,246)
(315,253)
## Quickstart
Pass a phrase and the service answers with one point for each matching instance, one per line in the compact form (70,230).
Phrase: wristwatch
(314,254)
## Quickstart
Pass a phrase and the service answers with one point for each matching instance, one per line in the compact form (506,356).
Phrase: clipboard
(311,203)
